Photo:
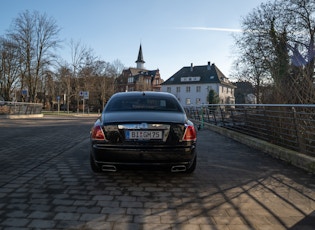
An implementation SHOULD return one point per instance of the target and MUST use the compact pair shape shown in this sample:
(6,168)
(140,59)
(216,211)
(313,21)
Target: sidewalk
(46,183)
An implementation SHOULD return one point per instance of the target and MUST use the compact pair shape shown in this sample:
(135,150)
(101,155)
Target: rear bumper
(154,156)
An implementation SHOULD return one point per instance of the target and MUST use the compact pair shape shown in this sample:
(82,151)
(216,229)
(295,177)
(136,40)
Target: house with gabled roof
(138,78)
(192,84)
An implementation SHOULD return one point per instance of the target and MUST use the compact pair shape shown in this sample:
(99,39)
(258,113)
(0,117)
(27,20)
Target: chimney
(208,67)
(191,67)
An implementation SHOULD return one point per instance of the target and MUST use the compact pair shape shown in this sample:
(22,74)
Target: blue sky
(173,33)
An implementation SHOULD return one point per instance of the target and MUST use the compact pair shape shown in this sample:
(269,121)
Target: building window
(177,89)
(187,89)
(168,89)
(156,81)
(187,101)
(130,79)
(148,81)
(198,100)
(198,89)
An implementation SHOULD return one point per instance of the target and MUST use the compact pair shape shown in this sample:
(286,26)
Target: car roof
(143,93)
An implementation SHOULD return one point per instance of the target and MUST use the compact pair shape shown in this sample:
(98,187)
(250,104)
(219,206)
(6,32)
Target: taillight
(97,133)
(190,133)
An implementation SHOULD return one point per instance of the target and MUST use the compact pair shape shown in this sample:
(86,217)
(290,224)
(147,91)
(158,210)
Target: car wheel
(94,166)
(192,168)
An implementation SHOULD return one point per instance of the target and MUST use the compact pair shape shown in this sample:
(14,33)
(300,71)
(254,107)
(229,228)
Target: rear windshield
(143,103)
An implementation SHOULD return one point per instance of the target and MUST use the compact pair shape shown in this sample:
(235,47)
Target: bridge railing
(19,108)
(290,126)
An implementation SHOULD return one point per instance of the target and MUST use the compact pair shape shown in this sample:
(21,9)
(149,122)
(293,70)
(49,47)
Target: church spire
(140,60)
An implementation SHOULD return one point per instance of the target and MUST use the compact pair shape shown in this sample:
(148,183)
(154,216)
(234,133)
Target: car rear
(159,137)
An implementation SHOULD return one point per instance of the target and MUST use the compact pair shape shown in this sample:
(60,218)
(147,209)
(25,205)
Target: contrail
(211,29)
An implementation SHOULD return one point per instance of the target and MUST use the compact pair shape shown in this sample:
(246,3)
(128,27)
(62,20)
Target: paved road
(46,183)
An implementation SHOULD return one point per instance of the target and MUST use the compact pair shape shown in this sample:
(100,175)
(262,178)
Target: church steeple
(140,62)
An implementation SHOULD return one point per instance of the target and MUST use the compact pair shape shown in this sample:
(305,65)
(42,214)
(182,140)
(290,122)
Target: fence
(19,108)
(289,126)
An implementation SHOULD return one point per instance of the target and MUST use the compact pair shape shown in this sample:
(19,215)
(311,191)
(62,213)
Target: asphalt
(46,183)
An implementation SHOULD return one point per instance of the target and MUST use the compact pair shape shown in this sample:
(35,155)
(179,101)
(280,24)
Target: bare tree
(82,59)
(9,69)
(114,71)
(86,72)
(102,84)
(77,57)
(117,68)
(98,78)
(36,36)
(63,85)
(275,36)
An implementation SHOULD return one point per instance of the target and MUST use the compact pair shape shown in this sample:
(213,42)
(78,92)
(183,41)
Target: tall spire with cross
(140,62)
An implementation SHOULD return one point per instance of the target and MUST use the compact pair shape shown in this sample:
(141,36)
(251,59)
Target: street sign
(84,94)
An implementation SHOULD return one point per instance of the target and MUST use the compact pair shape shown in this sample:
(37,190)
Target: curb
(21,116)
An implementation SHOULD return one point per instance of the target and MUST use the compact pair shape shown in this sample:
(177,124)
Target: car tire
(192,168)
(95,168)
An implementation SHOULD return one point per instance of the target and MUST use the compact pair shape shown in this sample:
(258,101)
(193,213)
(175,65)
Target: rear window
(143,103)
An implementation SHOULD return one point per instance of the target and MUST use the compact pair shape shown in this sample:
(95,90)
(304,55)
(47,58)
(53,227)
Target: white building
(191,85)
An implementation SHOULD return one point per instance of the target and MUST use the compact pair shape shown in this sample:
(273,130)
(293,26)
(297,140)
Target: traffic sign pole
(58,99)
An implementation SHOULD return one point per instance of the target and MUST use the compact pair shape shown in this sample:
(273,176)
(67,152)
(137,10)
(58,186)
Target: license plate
(143,135)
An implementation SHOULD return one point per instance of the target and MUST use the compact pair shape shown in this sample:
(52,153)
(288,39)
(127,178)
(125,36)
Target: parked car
(143,129)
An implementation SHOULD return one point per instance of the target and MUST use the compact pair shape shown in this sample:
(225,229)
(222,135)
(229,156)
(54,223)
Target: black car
(143,129)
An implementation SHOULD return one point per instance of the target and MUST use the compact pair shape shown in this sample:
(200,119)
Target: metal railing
(289,126)
(19,108)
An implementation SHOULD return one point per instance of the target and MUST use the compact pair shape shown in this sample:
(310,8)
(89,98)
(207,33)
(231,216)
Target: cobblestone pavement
(46,183)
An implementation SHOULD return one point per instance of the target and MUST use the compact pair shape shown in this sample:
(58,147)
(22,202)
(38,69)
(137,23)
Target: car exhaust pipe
(178,168)
(109,168)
